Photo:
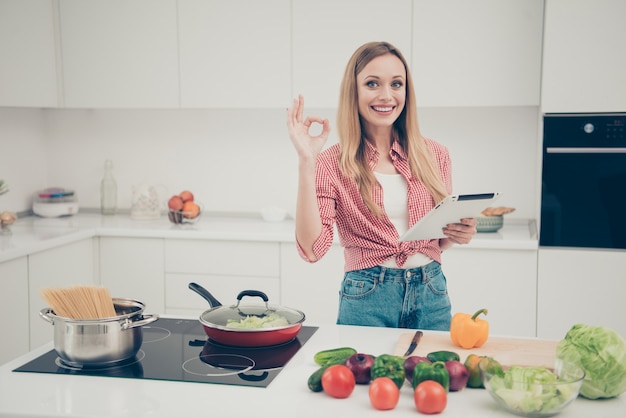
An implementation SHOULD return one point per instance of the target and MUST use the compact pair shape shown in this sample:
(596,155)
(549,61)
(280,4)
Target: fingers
(299,103)
(462,232)
(295,118)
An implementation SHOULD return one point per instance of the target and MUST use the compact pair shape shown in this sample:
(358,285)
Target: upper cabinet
(584,66)
(119,54)
(327,32)
(28,66)
(477,53)
(235,54)
(253,54)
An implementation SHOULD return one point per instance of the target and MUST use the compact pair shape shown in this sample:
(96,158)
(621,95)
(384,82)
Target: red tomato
(384,394)
(338,381)
(430,397)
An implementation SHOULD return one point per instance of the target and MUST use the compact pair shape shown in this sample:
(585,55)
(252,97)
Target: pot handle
(44,314)
(146,319)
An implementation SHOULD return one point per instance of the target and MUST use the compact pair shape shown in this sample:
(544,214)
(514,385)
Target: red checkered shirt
(367,240)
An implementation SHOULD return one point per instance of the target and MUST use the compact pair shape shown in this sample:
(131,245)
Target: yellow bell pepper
(469,331)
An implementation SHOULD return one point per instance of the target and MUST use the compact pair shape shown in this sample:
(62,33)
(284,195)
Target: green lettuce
(601,353)
(530,389)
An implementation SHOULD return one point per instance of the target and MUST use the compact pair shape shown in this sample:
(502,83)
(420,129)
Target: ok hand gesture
(307,145)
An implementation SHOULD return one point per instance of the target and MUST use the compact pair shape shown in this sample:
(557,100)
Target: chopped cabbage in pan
(252,322)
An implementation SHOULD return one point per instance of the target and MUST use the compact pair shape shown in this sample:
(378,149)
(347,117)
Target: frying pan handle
(205,294)
(256,293)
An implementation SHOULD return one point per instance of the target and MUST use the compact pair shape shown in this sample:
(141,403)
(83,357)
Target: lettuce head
(601,353)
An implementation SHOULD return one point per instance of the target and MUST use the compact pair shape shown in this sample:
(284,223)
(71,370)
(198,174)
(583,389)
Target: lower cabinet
(580,287)
(132,268)
(312,287)
(14,308)
(503,281)
(224,268)
(158,271)
(64,266)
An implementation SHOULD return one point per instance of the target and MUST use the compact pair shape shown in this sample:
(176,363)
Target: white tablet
(449,211)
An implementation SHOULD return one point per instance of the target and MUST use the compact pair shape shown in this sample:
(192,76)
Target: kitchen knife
(414,342)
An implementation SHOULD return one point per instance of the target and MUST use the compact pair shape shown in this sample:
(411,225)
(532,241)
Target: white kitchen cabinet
(503,281)
(64,266)
(28,66)
(477,53)
(224,268)
(132,268)
(14,308)
(312,287)
(119,54)
(577,286)
(584,64)
(251,70)
(325,33)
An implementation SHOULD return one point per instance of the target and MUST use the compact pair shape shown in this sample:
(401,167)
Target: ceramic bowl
(489,223)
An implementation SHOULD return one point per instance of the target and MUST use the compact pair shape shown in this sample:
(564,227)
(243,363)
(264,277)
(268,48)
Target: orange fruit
(190,209)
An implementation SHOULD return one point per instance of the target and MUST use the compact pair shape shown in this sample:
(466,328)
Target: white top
(395,202)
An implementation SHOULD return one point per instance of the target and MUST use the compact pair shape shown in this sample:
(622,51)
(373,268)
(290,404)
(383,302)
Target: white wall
(239,160)
(23,159)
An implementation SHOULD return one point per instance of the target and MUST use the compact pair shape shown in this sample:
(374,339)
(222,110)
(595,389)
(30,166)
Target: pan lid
(251,317)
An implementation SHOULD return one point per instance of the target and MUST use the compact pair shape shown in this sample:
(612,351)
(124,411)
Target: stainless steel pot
(100,342)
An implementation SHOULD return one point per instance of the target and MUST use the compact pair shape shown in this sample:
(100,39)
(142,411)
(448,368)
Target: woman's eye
(371,84)
(396,84)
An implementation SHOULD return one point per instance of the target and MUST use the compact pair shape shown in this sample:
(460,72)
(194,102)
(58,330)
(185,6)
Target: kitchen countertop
(32,234)
(51,395)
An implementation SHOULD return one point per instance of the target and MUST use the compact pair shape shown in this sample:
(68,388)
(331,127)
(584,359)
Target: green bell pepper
(442,355)
(388,365)
(431,371)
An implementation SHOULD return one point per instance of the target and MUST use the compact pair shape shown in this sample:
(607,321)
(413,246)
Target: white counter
(32,234)
(43,395)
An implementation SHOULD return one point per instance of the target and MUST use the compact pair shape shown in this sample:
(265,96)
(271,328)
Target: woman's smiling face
(381,87)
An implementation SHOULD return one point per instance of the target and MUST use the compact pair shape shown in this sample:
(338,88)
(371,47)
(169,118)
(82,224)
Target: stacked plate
(54,202)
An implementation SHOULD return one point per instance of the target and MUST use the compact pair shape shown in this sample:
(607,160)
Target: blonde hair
(352,157)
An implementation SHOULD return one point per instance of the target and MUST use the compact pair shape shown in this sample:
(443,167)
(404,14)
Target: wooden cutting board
(508,351)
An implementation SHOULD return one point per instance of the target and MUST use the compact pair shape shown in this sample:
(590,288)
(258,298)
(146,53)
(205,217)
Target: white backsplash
(240,160)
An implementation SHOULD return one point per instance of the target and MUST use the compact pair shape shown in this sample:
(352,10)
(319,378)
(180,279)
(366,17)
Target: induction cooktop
(179,350)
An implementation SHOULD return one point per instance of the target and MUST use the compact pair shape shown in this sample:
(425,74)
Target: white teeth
(383,109)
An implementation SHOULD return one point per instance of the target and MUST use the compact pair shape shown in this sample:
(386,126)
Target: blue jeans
(400,298)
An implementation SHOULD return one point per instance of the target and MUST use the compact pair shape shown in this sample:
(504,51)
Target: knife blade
(414,342)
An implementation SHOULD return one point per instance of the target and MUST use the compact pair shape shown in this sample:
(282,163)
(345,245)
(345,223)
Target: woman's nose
(385,93)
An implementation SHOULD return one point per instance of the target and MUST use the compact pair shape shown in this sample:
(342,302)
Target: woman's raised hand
(307,145)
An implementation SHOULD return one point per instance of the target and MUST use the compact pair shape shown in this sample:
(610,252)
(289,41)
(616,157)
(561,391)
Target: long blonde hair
(352,157)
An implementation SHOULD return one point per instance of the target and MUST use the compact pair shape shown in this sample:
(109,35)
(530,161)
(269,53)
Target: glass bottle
(108,190)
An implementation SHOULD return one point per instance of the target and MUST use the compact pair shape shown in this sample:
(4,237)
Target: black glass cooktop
(179,350)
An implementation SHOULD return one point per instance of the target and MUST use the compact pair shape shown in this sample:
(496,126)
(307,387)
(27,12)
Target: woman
(380,179)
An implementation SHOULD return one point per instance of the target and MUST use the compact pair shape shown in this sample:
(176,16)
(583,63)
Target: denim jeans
(401,298)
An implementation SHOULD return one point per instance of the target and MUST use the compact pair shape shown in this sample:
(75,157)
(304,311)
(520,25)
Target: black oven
(583,196)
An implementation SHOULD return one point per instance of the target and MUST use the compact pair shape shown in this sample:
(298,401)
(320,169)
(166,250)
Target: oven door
(583,202)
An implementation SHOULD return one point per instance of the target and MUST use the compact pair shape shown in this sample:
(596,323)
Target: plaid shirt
(367,240)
